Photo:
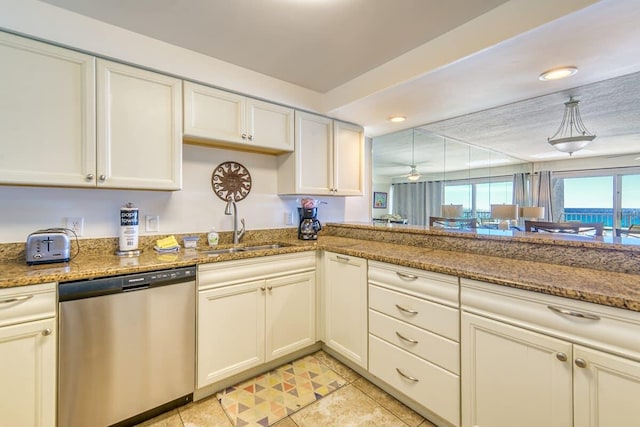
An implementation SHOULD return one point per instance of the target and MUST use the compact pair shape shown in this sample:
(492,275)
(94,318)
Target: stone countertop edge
(553,239)
(620,290)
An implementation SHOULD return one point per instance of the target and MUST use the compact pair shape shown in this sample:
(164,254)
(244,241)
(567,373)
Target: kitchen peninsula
(477,279)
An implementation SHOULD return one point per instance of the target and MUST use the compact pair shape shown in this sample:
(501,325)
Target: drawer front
(27,303)
(433,317)
(436,287)
(217,274)
(434,388)
(593,325)
(431,347)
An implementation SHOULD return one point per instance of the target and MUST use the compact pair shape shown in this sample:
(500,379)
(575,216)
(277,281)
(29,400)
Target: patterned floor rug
(268,398)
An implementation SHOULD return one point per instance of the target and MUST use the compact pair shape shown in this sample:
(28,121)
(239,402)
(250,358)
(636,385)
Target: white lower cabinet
(28,342)
(531,359)
(253,311)
(345,298)
(414,336)
(606,389)
(512,376)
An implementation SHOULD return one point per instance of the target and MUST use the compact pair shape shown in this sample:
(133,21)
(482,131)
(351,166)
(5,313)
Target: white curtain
(542,193)
(409,201)
(435,196)
(520,189)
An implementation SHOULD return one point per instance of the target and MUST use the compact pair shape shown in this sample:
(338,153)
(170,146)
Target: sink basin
(234,250)
(222,251)
(264,247)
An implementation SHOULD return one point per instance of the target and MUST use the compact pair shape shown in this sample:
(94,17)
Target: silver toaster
(45,246)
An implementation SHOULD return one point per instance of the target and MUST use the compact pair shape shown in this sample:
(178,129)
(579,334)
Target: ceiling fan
(414,175)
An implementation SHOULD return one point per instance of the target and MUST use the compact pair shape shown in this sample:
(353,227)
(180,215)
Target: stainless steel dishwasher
(126,347)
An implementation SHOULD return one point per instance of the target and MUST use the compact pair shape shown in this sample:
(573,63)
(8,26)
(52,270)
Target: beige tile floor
(358,403)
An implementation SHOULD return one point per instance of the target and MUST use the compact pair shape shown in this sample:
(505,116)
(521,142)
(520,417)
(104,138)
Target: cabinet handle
(46,332)
(561,357)
(342,258)
(244,136)
(16,299)
(580,363)
(406,276)
(409,377)
(89,177)
(573,313)
(406,310)
(270,288)
(103,177)
(250,137)
(262,288)
(402,337)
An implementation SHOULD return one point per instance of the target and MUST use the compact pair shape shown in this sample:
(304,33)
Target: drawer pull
(580,363)
(406,310)
(342,258)
(16,299)
(409,377)
(46,332)
(406,276)
(573,313)
(561,357)
(402,337)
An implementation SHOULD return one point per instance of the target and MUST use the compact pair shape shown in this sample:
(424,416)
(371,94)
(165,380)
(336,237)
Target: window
(477,195)
(609,197)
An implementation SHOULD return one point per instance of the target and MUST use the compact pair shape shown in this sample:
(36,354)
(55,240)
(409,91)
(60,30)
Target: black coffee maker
(309,224)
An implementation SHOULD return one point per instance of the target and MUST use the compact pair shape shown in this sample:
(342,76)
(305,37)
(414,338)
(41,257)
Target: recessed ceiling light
(558,73)
(397,119)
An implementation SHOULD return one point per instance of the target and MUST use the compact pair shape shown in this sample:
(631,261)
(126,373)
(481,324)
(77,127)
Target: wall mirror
(451,172)
(474,154)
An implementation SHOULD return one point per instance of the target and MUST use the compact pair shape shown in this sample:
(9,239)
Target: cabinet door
(139,128)
(512,376)
(270,126)
(28,372)
(313,142)
(346,306)
(348,159)
(290,314)
(606,389)
(212,114)
(47,125)
(230,331)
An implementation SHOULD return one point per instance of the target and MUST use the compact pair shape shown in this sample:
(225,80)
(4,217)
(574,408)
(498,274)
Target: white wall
(195,208)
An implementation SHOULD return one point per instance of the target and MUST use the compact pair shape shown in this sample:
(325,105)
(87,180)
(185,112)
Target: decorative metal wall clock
(231,180)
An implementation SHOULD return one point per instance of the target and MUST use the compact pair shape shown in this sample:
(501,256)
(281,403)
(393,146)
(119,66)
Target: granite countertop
(620,290)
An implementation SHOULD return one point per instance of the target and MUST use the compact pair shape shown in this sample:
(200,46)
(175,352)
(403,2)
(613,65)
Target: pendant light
(572,135)
(414,175)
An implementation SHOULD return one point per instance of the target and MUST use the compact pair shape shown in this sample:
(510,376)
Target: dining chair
(589,228)
(460,223)
(632,231)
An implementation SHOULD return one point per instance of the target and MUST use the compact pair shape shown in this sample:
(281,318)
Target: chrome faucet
(237,235)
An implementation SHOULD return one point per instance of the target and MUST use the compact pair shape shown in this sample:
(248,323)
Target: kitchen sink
(237,249)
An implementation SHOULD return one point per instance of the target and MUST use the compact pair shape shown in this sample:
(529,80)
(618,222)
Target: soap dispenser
(212,238)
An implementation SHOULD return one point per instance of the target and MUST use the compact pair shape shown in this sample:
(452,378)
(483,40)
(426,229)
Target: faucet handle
(242,230)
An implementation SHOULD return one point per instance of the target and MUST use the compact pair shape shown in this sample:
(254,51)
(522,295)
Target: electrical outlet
(75,223)
(152,223)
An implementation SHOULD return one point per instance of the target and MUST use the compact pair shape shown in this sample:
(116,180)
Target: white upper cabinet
(60,128)
(139,128)
(47,125)
(328,158)
(217,117)
(348,159)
